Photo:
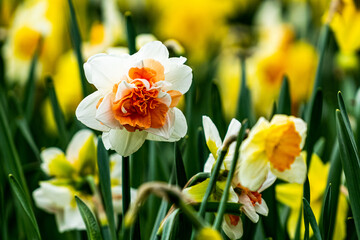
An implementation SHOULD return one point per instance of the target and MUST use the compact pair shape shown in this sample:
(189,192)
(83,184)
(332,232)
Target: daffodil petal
(262,208)
(77,143)
(301,128)
(270,179)
(180,79)
(289,194)
(115,166)
(105,115)
(54,163)
(253,171)
(232,231)
(209,163)
(233,129)
(248,208)
(105,70)
(178,130)
(212,136)
(86,112)
(296,173)
(196,193)
(125,142)
(152,50)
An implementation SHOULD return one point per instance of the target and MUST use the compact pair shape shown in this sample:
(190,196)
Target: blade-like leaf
(76,42)
(92,227)
(167,232)
(284,106)
(58,115)
(105,185)
(25,204)
(28,102)
(25,131)
(244,101)
(181,178)
(327,213)
(350,162)
(131,34)
(309,215)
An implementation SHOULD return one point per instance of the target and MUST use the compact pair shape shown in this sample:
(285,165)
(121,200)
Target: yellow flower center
(282,145)
(25,42)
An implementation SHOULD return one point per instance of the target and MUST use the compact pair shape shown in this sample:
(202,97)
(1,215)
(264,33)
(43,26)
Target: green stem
(225,195)
(125,183)
(131,35)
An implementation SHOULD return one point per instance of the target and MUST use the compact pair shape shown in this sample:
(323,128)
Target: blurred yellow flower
(208,233)
(346,26)
(197,24)
(291,194)
(273,59)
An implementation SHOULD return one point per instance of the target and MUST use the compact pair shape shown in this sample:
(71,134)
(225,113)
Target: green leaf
(350,162)
(28,102)
(26,206)
(105,185)
(25,131)
(327,213)
(225,195)
(284,98)
(58,115)
(131,34)
(92,227)
(244,101)
(217,113)
(76,42)
(161,214)
(334,179)
(167,232)
(306,195)
(181,178)
(125,182)
(309,215)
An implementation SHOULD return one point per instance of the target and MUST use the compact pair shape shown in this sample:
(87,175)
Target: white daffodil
(69,174)
(136,97)
(273,146)
(28,27)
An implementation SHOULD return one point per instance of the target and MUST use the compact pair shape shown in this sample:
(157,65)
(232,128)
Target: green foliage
(92,227)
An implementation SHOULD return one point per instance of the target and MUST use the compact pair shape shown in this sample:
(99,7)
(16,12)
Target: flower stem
(125,183)
(225,196)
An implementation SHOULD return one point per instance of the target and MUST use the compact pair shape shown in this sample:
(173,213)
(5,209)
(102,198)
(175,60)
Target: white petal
(253,171)
(209,163)
(166,130)
(296,173)
(233,129)
(105,115)
(262,208)
(153,50)
(233,232)
(248,208)
(125,142)
(180,79)
(212,136)
(270,179)
(47,156)
(86,112)
(106,140)
(123,89)
(301,128)
(77,142)
(179,128)
(105,70)
(70,219)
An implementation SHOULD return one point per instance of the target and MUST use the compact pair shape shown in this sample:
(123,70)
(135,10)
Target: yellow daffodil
(251,202)
(69,174)
(28,27)
(273,146)
(193,23)
(136,97)
(208,233)
(291,195)
(277,56)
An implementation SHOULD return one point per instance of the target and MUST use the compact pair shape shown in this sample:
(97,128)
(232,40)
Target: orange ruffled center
(234,219)
(140,107)
(283,145)
(255,197)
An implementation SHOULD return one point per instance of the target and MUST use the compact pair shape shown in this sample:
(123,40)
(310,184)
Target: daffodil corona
(136,97)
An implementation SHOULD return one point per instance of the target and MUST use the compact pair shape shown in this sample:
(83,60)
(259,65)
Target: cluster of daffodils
(69,177)
(136,97)
(272,150)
